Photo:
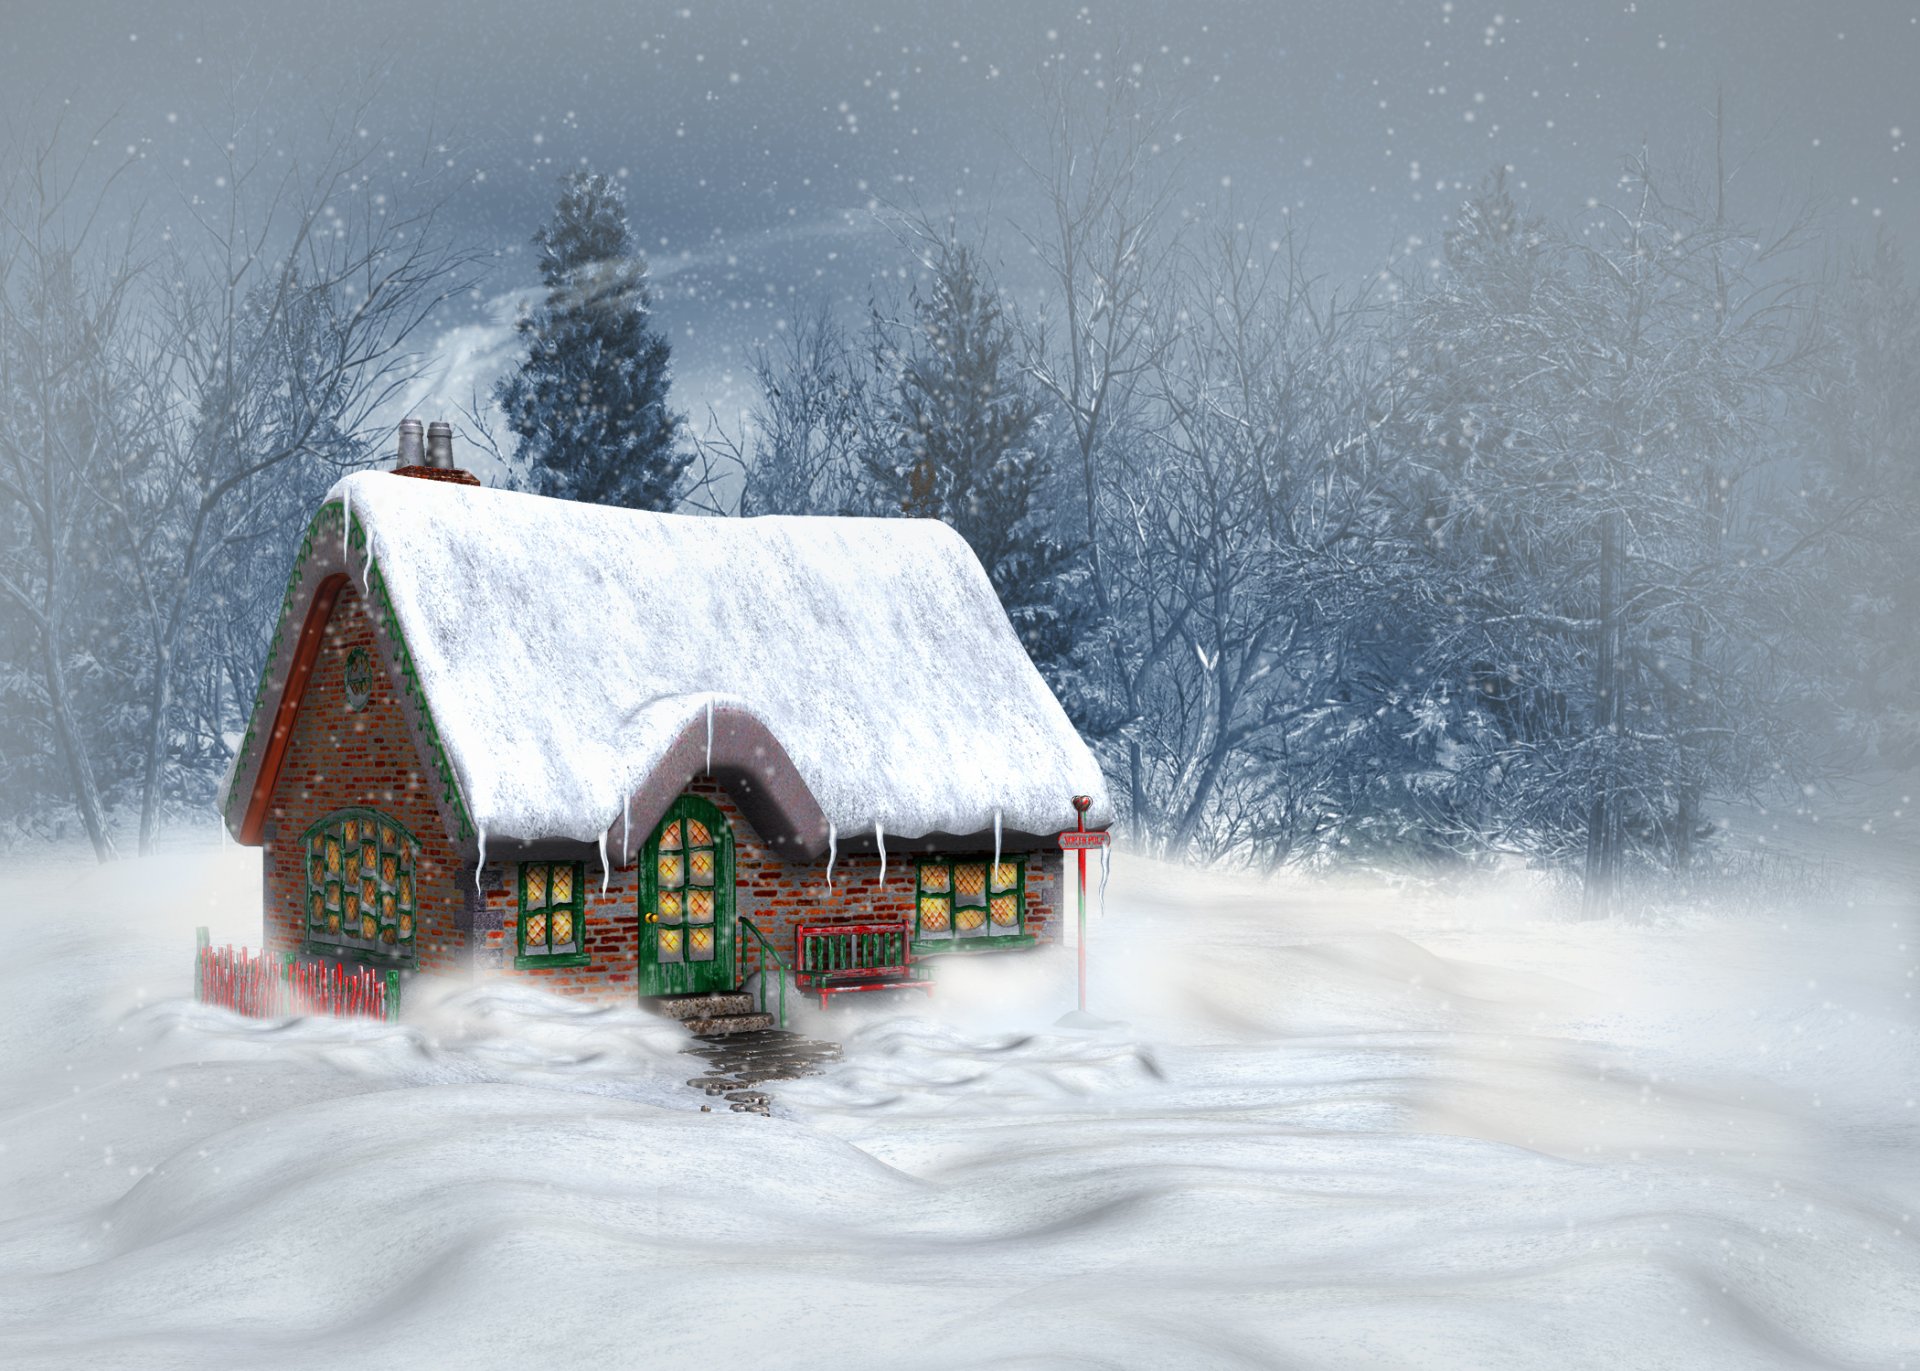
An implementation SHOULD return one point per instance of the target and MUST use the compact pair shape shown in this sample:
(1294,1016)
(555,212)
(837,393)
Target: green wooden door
(686,902)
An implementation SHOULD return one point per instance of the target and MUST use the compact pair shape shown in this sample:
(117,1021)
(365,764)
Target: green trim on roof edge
(331,516)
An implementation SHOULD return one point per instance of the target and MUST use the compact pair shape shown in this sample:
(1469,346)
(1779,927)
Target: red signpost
(1078,839)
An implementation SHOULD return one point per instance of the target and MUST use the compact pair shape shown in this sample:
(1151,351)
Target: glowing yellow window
(552,913)
(969,900)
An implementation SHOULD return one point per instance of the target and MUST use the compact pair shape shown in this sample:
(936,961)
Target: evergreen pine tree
(589,403)
(965,450)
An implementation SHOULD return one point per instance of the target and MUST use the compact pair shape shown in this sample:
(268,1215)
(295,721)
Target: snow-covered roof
(568,652)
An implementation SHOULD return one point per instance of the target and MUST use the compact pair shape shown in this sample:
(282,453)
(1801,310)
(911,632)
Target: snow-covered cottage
(622,754)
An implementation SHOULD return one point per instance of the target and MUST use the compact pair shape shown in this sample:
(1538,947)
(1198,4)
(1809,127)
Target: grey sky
(754,135)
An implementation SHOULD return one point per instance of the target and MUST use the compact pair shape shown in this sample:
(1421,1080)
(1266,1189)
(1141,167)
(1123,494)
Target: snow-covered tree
(589,401)
(964,445)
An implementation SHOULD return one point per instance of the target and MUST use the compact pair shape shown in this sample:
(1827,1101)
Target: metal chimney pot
(412,452)
(440,445)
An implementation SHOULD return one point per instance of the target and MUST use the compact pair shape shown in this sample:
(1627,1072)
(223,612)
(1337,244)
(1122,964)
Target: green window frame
(361,895)
(553,911)
(967,903)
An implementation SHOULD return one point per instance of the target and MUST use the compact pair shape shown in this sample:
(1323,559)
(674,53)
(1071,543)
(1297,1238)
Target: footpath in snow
(1335,1127)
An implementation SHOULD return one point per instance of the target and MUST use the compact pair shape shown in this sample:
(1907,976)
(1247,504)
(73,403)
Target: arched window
(360,890)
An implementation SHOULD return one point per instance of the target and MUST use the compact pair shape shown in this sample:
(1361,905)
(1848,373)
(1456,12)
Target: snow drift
(1338,1129)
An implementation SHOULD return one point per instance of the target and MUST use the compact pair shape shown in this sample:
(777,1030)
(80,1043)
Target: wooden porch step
(717,1004)
(726,1025)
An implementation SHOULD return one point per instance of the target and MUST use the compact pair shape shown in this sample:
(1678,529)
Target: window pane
(670,945)
(368,895)
(317,909)
(670,837)
(697,835)
(700,861)
(389,869)
(670,871)
(333,894)
(933,914)
(406,889)
(1006,876)
(386,908)
(933,877)
(700,906)
(669,912)
(406,925)
(369,856)
(970,882)
(350,833)
(700,943)
(562,888)
(368,926)
(353,907)
(536,879)
(386,835)
(1006,911)
(333,856)
(562,927)
(969,919)
(536,933)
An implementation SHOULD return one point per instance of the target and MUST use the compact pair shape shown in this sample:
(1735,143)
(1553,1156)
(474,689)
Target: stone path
(738,1062)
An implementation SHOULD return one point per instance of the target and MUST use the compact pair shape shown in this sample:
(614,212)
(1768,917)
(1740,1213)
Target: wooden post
(202,940)
(1080,806)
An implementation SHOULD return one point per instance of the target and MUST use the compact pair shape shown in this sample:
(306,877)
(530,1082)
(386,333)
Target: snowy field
(1340,1127)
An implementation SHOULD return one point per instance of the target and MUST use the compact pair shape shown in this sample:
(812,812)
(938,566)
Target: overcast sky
(754,136)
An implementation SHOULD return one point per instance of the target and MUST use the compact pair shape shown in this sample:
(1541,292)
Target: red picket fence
(261,986)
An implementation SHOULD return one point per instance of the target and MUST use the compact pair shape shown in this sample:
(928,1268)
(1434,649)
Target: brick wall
(775,894)
(339,758)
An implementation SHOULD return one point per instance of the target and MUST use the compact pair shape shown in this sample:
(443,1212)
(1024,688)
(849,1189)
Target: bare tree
(279,326)
(1107,174)
(66,298)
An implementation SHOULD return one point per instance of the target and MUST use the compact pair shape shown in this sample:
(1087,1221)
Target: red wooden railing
(263,986)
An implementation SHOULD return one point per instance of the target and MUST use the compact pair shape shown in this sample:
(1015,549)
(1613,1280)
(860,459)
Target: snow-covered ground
(1341,1127)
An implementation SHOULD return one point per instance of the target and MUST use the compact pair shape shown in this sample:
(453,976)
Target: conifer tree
(965,449)
(589,403)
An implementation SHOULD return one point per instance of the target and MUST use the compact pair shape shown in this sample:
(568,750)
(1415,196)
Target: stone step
(725,1024)
(713,1005)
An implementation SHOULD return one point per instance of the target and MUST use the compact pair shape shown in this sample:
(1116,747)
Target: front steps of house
(742,1049)
(717,1014)
(741,1062)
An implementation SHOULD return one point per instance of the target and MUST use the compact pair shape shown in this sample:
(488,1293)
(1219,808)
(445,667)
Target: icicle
(996,847)
(709,735)
(1106,869)
(833,850)
(482,862)
(880,837)
(606,872)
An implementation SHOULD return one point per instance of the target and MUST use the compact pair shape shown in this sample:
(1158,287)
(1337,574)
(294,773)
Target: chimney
(440,445)
(433,460)
(412,453)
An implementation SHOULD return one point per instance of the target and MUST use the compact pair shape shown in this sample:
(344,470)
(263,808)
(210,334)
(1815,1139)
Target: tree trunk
(1603,819)
(86,792)
(159,706)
